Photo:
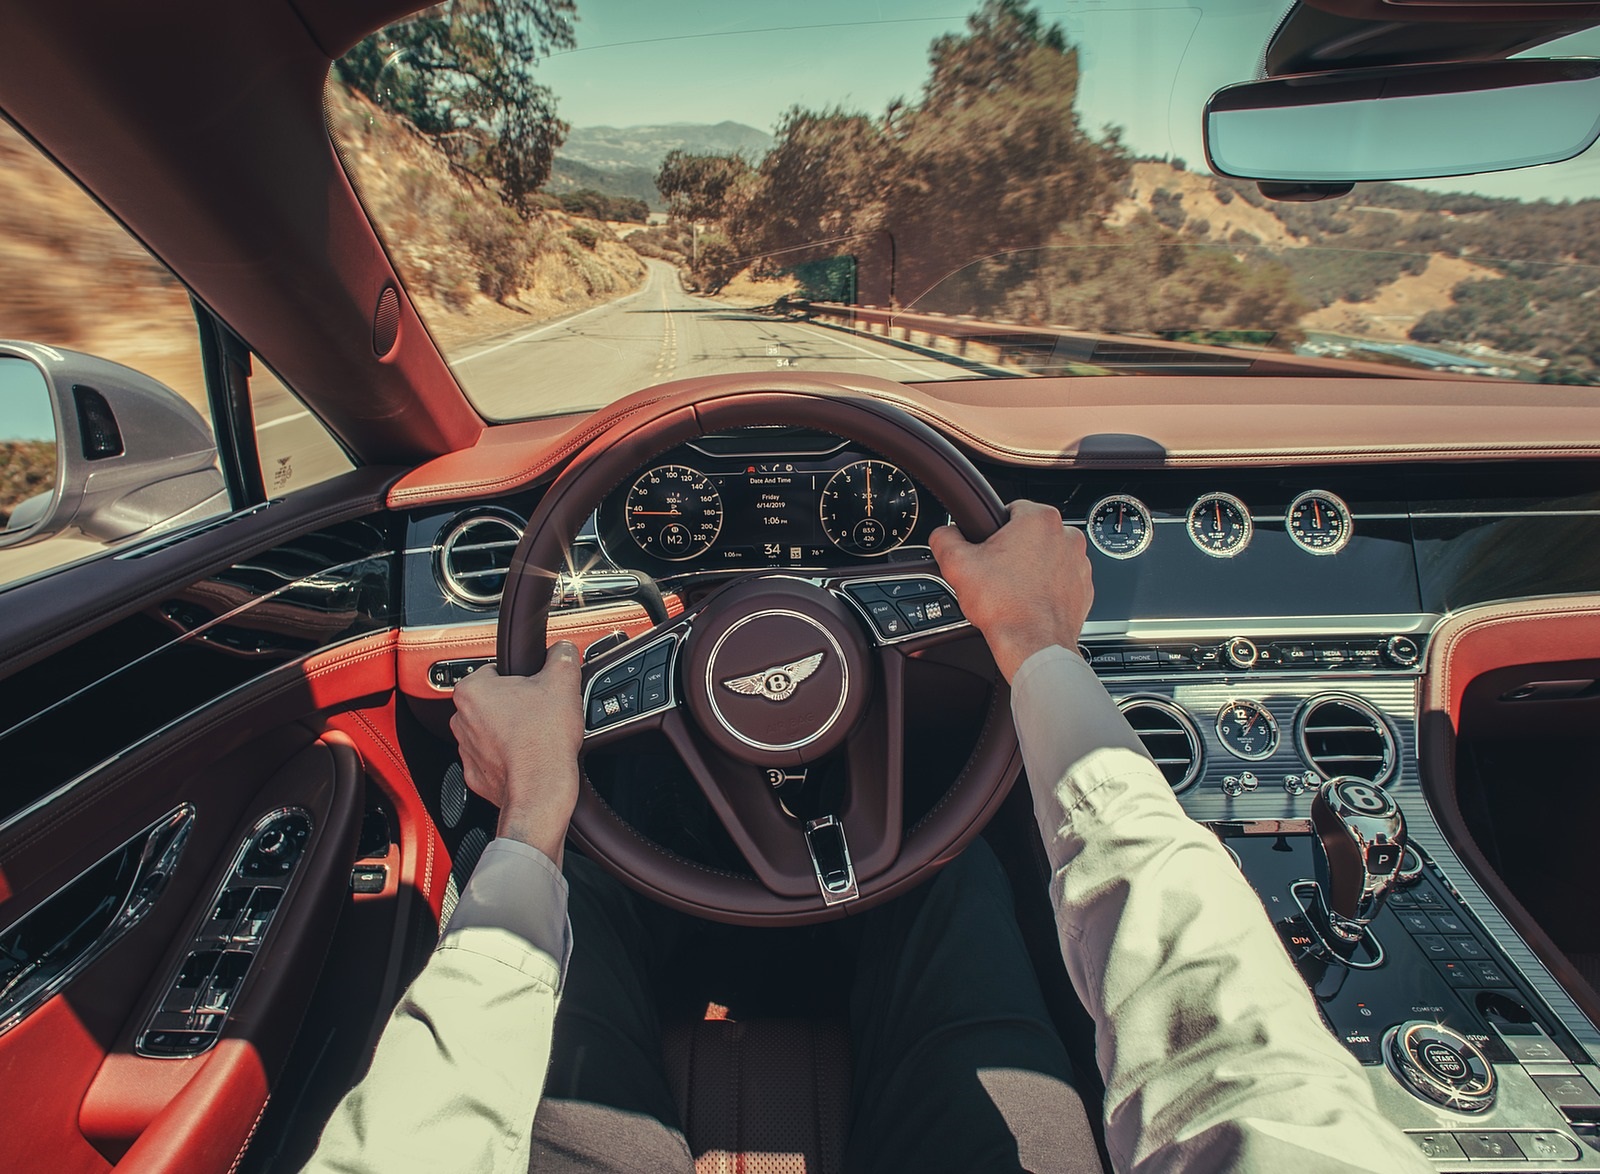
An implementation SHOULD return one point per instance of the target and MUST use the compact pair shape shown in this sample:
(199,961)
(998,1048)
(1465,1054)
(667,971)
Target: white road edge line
(560,322)
(282,420)
(876,358)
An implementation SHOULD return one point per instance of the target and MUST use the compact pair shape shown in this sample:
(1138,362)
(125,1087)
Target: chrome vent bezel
(1181,725)
(462,583)
(1330,766)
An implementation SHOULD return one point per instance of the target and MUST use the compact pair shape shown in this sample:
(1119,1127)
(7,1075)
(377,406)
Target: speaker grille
(386,322)
(1168,735)
(1343,735)
(475,555)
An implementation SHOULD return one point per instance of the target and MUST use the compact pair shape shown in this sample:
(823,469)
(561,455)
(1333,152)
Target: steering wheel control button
(1442,1066)
(898,608)
(631,687)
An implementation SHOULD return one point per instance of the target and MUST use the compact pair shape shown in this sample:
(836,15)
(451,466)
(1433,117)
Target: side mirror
(93,445)
(1404,121)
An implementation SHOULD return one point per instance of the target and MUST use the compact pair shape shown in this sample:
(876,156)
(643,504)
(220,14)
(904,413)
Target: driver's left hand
(519,739)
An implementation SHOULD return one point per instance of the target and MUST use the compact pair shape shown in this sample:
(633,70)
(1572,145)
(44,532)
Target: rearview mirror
(1405,121)
(94,445)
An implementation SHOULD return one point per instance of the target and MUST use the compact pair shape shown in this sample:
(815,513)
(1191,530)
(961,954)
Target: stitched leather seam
(249,1137)
(1513,615)
(542,465)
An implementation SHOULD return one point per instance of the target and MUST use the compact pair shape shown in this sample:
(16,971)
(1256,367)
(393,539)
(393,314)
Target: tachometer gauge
(1220,525)
(1319,522)
(1248,730)
(673,512)
(1119,526)
(868,508)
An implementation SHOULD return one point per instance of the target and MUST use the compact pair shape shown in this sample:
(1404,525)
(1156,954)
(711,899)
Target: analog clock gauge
(1319,522)
(673,512)
(1119,526)
(868,508)
(1220,525)
(1248,730)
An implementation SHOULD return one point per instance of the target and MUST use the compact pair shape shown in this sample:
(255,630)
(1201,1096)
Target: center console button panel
(1242,654)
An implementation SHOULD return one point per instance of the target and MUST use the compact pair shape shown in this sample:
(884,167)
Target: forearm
(456,1078)
(1209,1043)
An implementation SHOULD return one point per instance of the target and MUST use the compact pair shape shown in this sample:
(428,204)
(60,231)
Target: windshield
(587,197)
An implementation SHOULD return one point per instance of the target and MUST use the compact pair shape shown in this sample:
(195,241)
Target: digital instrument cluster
(693,510)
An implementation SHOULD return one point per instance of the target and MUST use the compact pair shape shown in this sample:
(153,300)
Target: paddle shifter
(1360,842)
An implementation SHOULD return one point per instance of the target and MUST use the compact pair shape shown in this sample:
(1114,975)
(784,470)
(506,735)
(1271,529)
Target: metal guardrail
(1048,350)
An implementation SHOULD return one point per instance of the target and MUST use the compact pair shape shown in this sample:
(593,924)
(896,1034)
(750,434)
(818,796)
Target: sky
(1148,66)
(25,412)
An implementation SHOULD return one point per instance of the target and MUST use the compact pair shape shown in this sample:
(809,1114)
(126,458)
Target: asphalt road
(659,333)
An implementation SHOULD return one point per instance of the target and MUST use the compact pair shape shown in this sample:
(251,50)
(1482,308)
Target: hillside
(612,147)
(622,161)
(71,276)
(472,266)
(1473,275)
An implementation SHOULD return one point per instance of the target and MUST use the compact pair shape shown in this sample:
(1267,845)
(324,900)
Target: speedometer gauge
(868,508)
(673,512)
(1220,525)
(1319,522)
(1119,526)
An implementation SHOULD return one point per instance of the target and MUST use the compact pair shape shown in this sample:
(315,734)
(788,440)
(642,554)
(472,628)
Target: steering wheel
(772,673)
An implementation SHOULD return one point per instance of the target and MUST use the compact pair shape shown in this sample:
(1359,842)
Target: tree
(462,72)
(698,187)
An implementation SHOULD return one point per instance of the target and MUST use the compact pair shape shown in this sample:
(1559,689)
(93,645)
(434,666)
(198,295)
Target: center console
(1298,749)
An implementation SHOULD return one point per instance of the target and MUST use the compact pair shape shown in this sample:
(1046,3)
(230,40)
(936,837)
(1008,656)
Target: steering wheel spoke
(771,842)
(874,805)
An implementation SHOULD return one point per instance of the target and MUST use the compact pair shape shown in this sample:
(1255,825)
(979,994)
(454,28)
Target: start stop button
(1440,1065)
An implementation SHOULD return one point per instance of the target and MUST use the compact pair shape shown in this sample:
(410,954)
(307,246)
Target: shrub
(584,235)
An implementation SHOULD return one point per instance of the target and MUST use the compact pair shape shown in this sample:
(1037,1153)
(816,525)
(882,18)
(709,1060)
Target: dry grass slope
(473,267)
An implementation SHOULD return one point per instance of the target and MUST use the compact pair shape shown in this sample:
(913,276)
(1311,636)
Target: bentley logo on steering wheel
(778,682)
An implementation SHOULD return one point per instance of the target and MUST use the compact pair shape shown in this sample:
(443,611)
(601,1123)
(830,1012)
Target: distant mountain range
(622,161)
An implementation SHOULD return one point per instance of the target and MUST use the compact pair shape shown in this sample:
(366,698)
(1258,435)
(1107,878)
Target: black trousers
(957,1065)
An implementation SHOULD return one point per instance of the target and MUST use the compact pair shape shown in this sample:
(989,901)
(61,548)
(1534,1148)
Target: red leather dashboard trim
(1465,647)
(1115,421)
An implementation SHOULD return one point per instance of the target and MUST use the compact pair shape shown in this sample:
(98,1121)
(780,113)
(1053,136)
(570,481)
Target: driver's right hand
(1027,587)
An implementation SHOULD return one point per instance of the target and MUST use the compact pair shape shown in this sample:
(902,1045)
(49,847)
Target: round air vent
(1168,735)
(475,555)
(1343,735)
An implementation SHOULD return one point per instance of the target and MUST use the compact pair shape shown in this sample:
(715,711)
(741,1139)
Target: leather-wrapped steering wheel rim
(657,426)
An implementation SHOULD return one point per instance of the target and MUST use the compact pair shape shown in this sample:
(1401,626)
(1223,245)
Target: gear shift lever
(1360,842)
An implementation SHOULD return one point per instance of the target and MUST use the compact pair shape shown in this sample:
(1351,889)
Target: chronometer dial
(1319,522)
(1248,730)
(1220,525)
(1120,527)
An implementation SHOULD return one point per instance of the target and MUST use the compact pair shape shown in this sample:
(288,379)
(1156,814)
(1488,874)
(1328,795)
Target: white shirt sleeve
(457,1075)
(1211,1048)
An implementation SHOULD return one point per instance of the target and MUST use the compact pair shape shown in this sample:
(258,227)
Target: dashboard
(1261,626)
